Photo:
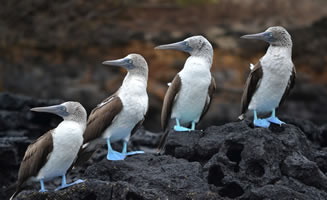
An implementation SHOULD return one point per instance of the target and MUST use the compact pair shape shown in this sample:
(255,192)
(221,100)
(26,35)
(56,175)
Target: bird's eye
(270,34)
(130,61)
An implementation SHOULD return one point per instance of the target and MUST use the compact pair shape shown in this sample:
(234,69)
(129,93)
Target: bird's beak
(181,46)
(265,36)
(60,110)
(123,62)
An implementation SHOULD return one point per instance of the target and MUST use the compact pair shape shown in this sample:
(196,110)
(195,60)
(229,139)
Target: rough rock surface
(18,128)
(232,161)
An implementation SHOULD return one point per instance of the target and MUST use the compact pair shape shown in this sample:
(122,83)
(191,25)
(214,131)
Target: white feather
(135,104)
(277,68)
(195,78)
(251,66)
(67,140)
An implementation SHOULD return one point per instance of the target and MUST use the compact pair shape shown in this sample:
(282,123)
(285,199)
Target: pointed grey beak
(181,46)
(265,36)
(123,62)
(60,110)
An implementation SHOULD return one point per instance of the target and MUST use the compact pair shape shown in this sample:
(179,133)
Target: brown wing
(169,101)
(251,86)
(35,157)
(211,91)
(101,117)
(289,87)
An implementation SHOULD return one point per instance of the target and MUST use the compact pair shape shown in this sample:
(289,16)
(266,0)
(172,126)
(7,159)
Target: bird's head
(134,63)
(70,110)
(275,36)
(195,45)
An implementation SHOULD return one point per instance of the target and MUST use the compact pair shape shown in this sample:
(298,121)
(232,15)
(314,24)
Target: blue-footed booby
(271,79)
(53,153)
(189,95)
(120,115)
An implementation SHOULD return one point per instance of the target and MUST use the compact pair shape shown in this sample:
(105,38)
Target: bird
(53,153)
(271,79)
(119,116)
(190,94)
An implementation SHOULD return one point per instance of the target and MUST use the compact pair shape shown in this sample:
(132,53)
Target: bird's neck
(134,81)
(205,53)
(279,51)
(80,119)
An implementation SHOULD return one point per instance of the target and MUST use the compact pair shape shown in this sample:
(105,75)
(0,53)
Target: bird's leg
(179,128)
(260,122)
(42,186)
(112,154)
(193,126)
(64,184)
(124,152)
(274,119)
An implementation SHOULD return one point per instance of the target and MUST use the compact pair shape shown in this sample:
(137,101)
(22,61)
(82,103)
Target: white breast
(67,140)
(135,104)
(195,79)
(277,68)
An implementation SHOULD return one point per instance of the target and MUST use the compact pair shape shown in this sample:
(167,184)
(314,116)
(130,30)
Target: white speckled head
(76,112)
(133,63)
(199,45)
(275,36)
(280,36)
(70,110)
(195,46)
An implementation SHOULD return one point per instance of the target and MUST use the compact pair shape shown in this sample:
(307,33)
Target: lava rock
(18,128)
(232,161)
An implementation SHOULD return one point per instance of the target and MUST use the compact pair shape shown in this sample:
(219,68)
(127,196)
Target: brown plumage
(99,120)
(211,91)
(251,85)
(169,101)
(170,97)
(35,157)
(289,87)
(253,82)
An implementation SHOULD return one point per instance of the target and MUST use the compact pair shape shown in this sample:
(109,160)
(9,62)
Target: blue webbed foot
(68,185)
(43,190)
(181,128)
(133,153)
(275,120)
(114,155)
(261,123)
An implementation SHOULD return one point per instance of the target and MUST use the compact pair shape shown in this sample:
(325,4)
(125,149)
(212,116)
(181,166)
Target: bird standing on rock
(120,115)
(53,153)
(271,79)
(189,95)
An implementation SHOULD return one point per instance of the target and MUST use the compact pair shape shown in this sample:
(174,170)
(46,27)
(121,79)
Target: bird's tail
(84,154)
(18,190)
(241,117)
(162,143)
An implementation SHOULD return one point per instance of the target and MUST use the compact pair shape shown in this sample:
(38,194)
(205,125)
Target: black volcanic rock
(18,128)
(232,161)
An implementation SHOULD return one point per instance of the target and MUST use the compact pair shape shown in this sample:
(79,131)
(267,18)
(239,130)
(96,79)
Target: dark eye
(270,34)
(130,61)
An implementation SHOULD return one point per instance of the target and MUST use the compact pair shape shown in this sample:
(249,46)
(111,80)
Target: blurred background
(54,49)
